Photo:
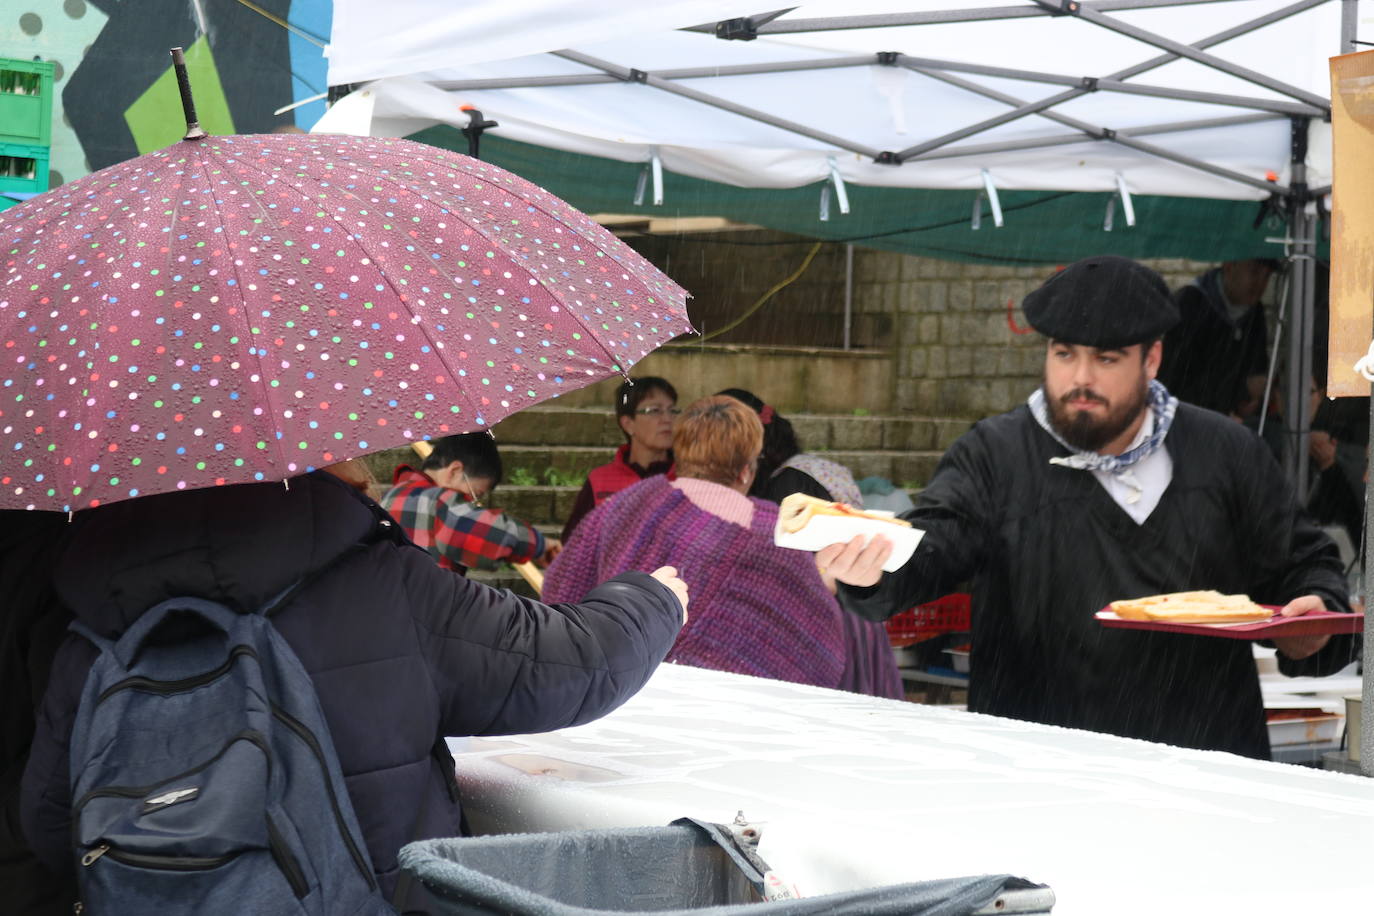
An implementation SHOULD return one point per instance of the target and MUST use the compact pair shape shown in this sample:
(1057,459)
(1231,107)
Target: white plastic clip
(1365,366)
(989,193)
(841,195)
(653,169)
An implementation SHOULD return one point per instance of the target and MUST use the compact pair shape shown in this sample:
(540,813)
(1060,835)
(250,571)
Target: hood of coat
(239,545)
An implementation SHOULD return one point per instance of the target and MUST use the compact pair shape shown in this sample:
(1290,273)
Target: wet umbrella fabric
(246,308)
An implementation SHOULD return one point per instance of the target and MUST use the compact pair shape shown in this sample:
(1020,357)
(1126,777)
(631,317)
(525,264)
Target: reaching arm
(503,664)
(957,513)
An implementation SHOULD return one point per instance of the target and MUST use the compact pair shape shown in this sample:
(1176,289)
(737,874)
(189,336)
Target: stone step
(580,426)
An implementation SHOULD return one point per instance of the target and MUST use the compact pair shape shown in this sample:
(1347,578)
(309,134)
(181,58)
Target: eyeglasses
(658,411)
(473,496)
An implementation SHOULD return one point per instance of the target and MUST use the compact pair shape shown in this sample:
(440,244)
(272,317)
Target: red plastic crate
(949,614)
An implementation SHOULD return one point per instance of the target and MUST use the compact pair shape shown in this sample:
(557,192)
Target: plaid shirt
(455,532)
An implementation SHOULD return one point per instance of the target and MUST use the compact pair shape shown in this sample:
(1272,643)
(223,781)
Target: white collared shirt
(1139,488)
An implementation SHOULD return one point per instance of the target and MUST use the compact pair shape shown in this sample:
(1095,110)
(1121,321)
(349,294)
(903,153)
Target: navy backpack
(203,776)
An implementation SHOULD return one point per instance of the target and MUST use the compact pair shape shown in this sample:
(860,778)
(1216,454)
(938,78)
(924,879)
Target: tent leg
(848,292)
(1302,229)
(1367,685)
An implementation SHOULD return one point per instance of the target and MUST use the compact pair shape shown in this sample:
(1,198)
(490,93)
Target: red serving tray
(1313,623)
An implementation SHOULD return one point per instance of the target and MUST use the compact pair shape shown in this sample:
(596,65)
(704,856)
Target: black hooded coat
(401,653)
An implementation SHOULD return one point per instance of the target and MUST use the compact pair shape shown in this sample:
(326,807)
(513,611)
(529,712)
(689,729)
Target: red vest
(610,479)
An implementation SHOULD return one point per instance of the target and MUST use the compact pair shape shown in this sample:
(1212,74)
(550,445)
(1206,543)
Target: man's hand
(1296,647)
(854,564)
(1322,448)
(668,576)
(552,548)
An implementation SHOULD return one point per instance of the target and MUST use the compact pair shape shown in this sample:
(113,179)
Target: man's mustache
(1083,394)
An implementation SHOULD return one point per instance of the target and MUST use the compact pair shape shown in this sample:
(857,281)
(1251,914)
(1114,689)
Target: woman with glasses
(645,409)
(757,608)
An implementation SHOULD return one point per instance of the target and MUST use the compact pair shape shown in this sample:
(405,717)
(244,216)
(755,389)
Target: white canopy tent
(1211,99)
(1217,99)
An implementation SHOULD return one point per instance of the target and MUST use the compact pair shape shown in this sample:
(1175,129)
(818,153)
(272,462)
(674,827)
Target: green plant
(552,477)
(556,478)
(860,411)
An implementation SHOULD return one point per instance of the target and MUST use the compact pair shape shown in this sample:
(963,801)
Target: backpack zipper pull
(94,854)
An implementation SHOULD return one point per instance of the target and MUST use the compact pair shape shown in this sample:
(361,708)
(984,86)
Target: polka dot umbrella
(243,308)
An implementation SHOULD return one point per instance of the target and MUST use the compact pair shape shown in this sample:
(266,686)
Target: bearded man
(1101,487)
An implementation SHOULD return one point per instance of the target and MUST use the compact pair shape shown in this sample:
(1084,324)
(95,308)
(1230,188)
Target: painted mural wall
(114,93)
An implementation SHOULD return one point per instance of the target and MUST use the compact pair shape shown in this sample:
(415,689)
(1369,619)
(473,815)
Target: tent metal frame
(1293,103)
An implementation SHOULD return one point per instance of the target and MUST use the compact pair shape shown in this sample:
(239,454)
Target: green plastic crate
(23,167)
(26,101)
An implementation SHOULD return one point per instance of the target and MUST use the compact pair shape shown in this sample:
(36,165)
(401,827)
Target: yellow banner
(1352,220)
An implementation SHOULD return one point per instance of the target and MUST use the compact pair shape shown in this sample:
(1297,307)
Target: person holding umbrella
(265,306)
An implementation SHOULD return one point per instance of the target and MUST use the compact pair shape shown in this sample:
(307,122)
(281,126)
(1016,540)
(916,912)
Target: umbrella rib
(434,344)
(553,291)
(248,324)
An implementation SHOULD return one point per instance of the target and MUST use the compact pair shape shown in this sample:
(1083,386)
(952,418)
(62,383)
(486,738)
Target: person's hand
(668,576)
(1322,448)
(852,563)
(1296,647)
(552,548)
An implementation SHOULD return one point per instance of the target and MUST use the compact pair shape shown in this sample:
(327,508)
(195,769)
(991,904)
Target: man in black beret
(1103,487)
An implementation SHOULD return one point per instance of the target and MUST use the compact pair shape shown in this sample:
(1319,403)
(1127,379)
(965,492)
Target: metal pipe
(1087,14)
(1110,85)
(1099,133)
(1225,35)
(848,292)
(886,20)
(716,102)
(1367,686)
(1350,20)
(981,149)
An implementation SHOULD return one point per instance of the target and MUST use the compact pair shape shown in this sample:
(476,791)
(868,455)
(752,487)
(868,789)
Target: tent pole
(1087,14)
(1302,275)
(934,17)
(980,149)
(848,291)
(1091,132)
(1137,69)
(1349,22)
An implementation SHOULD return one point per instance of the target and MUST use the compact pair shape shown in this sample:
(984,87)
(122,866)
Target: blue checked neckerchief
(1161,403)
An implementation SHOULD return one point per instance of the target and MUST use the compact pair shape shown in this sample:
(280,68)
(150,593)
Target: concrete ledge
(794,379)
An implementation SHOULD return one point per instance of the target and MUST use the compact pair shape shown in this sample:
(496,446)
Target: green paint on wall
(156,119)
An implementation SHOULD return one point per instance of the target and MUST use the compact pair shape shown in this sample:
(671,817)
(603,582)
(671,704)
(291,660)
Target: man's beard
(1085,432)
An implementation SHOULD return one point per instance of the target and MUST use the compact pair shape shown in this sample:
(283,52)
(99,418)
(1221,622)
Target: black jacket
(1047,547)
(402,653)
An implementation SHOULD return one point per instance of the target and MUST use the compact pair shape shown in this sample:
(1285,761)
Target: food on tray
(799,508)
(1192,607)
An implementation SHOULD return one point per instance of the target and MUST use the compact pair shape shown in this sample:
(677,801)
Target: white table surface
(852,791)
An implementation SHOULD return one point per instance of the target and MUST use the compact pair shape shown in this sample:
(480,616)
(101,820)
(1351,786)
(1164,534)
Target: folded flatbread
(1192,607)
(797,510)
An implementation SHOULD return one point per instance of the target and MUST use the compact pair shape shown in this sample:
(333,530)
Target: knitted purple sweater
(755,608)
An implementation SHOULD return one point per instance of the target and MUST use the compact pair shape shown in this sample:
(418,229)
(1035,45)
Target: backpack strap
(100,642)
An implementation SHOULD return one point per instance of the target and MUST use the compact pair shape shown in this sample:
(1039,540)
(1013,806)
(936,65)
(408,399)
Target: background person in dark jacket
(402,653)
(1215,356)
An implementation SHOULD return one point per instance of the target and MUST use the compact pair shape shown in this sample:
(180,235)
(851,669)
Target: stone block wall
(944,325)
(959,351)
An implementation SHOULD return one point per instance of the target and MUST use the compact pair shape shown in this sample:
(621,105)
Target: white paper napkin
(824,530)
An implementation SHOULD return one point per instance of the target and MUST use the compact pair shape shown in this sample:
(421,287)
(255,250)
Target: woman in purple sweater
(756,608)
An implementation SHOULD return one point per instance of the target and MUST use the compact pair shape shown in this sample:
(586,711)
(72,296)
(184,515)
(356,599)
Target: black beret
(1104,301)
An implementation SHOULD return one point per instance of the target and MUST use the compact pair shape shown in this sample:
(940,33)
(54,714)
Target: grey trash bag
(684,868)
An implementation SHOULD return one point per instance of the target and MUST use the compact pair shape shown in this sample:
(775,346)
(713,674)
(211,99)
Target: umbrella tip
(188,104)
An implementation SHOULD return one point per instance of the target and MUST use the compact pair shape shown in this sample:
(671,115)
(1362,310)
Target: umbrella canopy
(243,308)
